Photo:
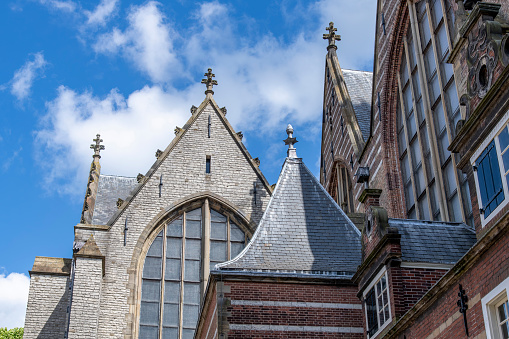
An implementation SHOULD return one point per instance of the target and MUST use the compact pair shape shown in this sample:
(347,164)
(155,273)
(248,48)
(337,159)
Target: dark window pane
(187,333)
(156,249)
(194,214)
(173,247)
(490,181)
(172,271)
(371,312)
(193,249)
(193,229)
(149,313)
(503,138)
(216,216)
(236,248)
(149,332)
(207,165)
(190,315)
(192,293)
(192,270)
(218,251)
(151,290)
(171,292)
(171,315)
(152,268)
(218,230)
(175,228)
(170,332)
(236,234)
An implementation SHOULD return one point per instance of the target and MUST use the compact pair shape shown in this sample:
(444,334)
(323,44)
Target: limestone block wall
(182,165)
(46,315)
(86,298)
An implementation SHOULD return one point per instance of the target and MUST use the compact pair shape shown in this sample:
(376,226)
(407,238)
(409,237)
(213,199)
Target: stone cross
(97,147)
(209,82)
(290,141)
(332,36)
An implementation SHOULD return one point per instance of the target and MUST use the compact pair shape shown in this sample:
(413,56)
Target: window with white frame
(491,167)
(377,305)
(495,308)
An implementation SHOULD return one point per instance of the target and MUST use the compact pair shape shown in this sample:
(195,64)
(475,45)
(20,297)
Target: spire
(332,36)
(209,82)
(93,182)
(290,141)
(97,147)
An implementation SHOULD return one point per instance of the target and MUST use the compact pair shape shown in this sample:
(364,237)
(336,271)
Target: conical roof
(303,230)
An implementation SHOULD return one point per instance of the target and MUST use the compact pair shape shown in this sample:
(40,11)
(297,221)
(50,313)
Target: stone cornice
(51,266)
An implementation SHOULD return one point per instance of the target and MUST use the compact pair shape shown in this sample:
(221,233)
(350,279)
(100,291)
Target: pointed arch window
(428,111)
(341,188)
(176,266)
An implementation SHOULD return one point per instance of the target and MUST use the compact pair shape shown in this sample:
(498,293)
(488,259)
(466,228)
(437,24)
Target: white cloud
(63,5)
(8,162)
(265,83)
(13,298)
(101,13)
(147,42)
(25,76)
(132,129)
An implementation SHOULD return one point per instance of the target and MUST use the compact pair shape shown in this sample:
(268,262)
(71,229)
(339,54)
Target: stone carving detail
(158,153)
(256,161)
(193,109)
(223,109)
(482,56)
(119,202)
(240,135)
(139,177)
(178,130)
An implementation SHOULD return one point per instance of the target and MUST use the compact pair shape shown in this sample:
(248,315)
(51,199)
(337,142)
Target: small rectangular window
(377,306)
(490,181)
(207,164)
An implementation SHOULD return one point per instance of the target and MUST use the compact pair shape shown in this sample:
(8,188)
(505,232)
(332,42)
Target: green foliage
(15,333)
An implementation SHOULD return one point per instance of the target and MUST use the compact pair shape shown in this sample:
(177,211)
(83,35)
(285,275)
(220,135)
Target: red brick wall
(292,315)
(491,269)
(210,324)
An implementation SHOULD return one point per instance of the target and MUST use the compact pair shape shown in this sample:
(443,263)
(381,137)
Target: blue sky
(131,70)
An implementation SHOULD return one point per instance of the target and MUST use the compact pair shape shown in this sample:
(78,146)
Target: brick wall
(291,310)
(46,316)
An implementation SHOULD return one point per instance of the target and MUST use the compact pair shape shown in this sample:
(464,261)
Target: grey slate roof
(359,85)
(110,188)
(302,230)
(432,241)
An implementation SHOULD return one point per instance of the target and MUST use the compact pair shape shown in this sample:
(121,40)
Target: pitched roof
(303,230)
(433,241)
(110,188)
(359,85)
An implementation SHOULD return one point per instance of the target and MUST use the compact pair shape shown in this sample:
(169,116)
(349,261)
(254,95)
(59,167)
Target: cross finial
(290,141)
(332,36)
(209,82)
(97,147)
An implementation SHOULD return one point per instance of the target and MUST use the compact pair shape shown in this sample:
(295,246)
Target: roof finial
(290,141)
(97,147)
(209,82)
(332,36)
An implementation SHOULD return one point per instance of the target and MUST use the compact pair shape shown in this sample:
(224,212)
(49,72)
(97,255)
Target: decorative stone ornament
(290,141)
(332,36)
(119,202)
(158,153)
(209,82)
(240,135)
(97,147)
(363,176)
(193,109)
(139,177)
(177,130)
(223,109)
(257,161)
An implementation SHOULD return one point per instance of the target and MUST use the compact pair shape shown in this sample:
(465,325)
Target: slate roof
(359,85)
(432,241)
(110,188)
(302,231)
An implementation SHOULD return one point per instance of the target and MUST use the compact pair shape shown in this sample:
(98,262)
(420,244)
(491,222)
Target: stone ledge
(51,266)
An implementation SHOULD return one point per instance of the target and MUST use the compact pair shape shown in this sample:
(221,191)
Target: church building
(405,234)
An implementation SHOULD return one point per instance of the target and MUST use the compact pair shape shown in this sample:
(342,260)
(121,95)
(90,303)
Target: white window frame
(381,327)
(489,308)
(492,136)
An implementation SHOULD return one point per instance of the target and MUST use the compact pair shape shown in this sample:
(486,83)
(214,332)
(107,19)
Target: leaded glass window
(427,116)
(171,289)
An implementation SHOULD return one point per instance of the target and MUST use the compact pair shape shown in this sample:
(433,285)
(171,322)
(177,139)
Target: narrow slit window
(207,164)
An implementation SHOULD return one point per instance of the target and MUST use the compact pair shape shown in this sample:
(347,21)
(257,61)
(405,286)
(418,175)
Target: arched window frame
(207,205)
(428,110)
(341,187)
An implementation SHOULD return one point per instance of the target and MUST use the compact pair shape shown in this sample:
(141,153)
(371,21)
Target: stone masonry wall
(86,297)
(232,177)
(46,315)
